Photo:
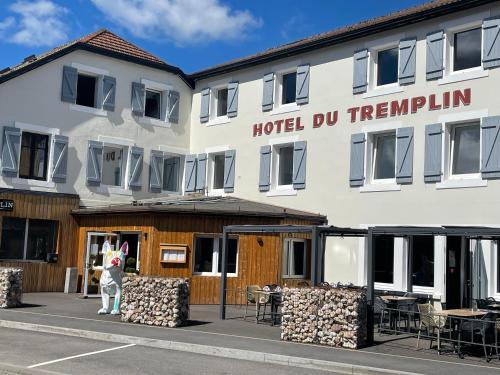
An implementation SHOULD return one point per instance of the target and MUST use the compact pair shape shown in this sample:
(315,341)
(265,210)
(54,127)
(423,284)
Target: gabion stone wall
(11,287)
(333,316)
(155,301)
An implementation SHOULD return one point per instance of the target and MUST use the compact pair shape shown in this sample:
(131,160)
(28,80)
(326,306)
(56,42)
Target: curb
(11,369)
(247,355)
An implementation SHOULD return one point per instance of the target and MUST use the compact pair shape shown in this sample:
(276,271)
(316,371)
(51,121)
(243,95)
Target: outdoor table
(494,306)
(274,298)
(398,301)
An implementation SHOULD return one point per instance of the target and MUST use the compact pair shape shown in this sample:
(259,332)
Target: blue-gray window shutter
(357,167)
(229,170)
(299,164)
(135,169)
(94,162)
(433,154)
(201,172)
(173,98)
(69,81)
(407,61)
(155,171)
(268,92)
(108,93)
(404,157)
(138,98)
(490,128)
(435,52)
(60,158)
(265,168)
(232,99)
(491,43)
(190,174)
(10,151)
(302,86)
(360,72)
(205,105)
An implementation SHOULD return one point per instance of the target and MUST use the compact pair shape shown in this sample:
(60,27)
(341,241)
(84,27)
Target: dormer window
(467,49)
(86,90)
(387,66)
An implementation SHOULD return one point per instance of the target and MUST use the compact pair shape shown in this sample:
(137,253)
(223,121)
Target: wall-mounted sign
(170,253)
(6,205)
(394,108)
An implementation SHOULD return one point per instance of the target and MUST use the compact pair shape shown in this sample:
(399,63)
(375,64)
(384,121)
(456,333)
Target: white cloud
(182,21)
(35,23)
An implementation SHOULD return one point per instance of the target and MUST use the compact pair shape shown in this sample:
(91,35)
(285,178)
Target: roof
(102,42)
(197,204)
(419,13)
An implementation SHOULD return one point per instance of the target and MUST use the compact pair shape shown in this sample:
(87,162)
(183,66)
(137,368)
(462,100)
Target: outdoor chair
(430,323)
(250,297)
(380,312)
(262,300)
(482,303)
(484,328)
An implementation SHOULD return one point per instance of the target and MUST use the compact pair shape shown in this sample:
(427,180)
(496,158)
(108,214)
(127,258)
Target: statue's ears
(124,248)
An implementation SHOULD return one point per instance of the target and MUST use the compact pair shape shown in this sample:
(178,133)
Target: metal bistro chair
(380,311)
(262,299)
(430,323)
(250,297)
(484,327)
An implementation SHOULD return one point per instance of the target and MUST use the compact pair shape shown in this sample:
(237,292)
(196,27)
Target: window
(288,88)
(113,165)
(86,90)
(171,173)
(384,156)
(285,165)
(153,104)
(294,258)
(467,49)
(208,255)
(218,171)
(387,66)
(222,102)
(384,259)
(422,261)
(41,238)
(498,265)
(34,156)
(465,149)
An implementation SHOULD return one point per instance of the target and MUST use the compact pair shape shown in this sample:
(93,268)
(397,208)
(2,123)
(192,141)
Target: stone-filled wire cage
(333,316)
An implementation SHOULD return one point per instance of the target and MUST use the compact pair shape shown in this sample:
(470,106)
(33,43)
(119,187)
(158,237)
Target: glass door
(93,260)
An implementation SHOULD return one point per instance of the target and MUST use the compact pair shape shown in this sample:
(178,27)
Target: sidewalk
(233,338)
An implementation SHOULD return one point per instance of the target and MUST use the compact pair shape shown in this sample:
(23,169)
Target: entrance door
(458,264)
(133,240)
(93,260)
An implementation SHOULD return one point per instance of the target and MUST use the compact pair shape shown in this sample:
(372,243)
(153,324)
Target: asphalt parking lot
(74,355)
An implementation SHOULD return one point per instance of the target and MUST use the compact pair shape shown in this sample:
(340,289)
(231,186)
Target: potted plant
(130,266)
(93,287)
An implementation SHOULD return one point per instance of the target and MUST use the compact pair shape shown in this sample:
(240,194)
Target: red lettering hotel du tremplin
(413,105)
(287,125)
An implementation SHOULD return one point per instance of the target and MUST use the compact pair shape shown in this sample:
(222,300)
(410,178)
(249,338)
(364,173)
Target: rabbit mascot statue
(111,278)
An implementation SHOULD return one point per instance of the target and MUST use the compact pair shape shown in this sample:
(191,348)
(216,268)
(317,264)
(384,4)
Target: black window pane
(289,88)
(219,171)
(171,174)
(85,90)
(387,66)
(203,257)
(13,230)
(34,156)
(384,259)
(298,258)
(422,261)
(232,255)
(285,168)
(467,49)
(222,102)
(153,104)
(385,156)
(41,239)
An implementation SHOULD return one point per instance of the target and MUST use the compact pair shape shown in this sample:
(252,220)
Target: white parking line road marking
(80,355)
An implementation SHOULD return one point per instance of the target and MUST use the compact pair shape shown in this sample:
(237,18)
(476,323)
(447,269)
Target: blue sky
(192,34)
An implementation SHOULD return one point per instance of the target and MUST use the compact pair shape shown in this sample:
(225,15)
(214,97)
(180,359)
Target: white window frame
(215,255)
(99,75)
(449,148)
(373,56)
(275,166)
(288,243)
(214,102)
(180,177)
(162,100)
(211,173)
(279,108)
(450,47)
(418,288)
(162,88)
(372,137)
(123,189)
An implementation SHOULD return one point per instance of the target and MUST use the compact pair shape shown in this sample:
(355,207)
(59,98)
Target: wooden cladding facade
(257,263)
(40,276)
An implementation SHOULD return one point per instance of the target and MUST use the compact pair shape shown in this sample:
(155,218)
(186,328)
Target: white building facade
(389,122)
